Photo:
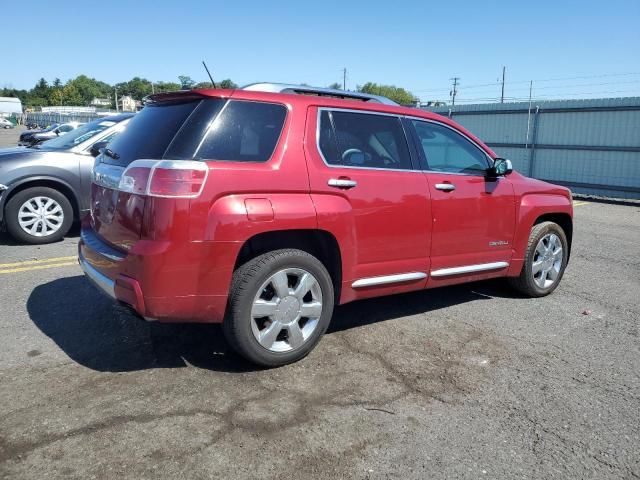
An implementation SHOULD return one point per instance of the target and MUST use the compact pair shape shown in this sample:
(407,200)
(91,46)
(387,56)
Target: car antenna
(208,73)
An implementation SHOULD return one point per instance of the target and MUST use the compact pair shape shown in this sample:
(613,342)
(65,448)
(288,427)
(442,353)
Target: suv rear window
(244,132)
(201,129)
(150,132)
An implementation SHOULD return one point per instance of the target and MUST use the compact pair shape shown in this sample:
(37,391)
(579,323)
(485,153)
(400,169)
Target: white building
(126,104)
(10,105)
(101,102)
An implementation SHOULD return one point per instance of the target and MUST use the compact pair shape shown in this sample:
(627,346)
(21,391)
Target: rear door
(473,216)
(369,194)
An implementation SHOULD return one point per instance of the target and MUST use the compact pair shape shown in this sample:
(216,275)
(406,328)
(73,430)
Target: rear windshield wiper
(110,153)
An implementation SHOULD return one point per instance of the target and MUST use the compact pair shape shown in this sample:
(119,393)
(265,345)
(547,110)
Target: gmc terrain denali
(264,207)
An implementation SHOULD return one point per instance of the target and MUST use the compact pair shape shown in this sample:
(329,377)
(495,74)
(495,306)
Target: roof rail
(323,92)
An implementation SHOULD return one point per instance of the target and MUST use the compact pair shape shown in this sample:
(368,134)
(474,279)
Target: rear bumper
(102,282)
(159,280)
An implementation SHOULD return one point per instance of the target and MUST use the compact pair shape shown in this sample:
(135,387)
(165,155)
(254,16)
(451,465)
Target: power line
(454,91)
(534,81)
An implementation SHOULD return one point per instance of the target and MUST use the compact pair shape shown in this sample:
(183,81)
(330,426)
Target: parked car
(36,137)
(26,138)
(263,208)
(44,187)
(4,123)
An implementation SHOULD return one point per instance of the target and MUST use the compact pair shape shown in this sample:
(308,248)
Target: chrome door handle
(342,183)
(445,187)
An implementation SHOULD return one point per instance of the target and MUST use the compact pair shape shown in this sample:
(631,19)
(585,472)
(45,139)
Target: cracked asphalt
(463,382)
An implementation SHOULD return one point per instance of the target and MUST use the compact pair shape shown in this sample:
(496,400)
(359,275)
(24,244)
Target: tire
(60,216)
(530,283)
(259,287)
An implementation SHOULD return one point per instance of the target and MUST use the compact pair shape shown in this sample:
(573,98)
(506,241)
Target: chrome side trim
(386,279)
(102,282)
(444,272)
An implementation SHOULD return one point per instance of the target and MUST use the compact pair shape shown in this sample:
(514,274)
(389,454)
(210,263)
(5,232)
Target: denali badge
(498,243)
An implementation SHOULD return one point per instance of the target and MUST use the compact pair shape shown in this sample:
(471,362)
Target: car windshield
(77,136)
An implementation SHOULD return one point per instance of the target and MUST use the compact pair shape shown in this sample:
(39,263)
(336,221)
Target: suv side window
(363,140)
(449,152)
(243,131)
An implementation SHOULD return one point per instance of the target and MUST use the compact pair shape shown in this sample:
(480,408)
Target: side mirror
(96,147)
(501,167)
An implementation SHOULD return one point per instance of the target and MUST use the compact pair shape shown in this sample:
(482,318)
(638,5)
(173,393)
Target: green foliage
(335,86)
(397,94)
(82,90)
(186,82)
(228,84)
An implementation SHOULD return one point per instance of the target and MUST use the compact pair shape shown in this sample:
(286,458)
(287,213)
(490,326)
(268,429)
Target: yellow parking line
(37,262)
(37,267)
(577,204)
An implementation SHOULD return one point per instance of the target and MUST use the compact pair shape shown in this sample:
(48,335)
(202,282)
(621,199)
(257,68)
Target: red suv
(262,208)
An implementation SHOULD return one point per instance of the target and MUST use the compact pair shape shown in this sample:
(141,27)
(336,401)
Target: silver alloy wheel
(286,310)
(547,260)
(40,216)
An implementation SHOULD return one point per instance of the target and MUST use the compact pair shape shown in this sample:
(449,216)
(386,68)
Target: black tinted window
(448,151)
(363,140)
(149,132)
(243,131)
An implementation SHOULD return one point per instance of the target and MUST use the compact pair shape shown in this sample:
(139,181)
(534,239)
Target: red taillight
(165,178)
(167,182)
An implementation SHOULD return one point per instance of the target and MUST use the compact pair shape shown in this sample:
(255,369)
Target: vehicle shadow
(105,337)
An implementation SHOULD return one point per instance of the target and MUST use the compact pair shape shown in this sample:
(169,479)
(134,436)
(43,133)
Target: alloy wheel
(286,310)
(547,261)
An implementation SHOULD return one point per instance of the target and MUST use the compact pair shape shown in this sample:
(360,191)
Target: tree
(71,95)
(335,86)
(166,86)
(55,96)
(397,94)
(89,88)
(137,88)
(228,84)
(186,82)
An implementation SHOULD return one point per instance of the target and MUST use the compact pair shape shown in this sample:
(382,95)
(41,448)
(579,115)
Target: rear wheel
(281,303)
(38,215)
(545,261)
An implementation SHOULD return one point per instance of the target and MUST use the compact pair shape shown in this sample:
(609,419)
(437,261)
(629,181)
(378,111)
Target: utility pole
(153,89)
(115,92)
(344,78)
(502,94)
(454,90)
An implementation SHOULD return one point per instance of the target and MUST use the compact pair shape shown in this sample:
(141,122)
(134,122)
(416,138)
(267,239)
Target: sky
(570,49)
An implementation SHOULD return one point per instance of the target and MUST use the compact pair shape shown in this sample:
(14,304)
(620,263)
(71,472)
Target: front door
(473,216)
(369,195)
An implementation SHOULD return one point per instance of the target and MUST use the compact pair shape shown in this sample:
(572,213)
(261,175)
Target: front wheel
(280,305)
(545,261)
(38,215)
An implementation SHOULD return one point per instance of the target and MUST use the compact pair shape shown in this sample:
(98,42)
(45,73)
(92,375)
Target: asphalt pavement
(470,381)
